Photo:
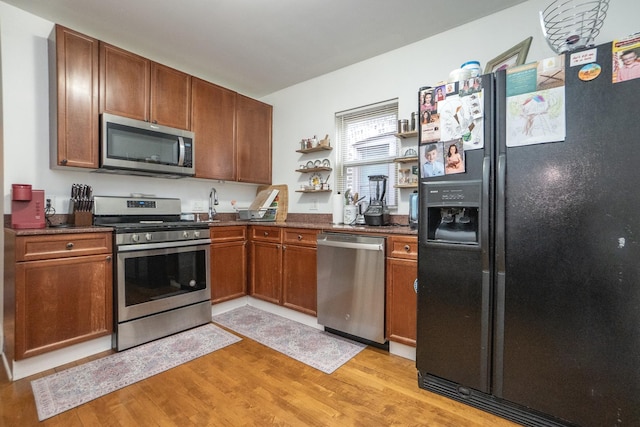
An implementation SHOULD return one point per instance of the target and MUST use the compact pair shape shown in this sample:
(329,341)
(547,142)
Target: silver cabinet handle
(70,245)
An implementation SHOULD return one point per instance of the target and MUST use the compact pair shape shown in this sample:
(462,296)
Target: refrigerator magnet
(589,72)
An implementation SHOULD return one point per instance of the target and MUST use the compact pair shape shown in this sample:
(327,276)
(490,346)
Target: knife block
(82,218)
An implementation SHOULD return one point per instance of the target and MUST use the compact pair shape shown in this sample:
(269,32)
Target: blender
(377,213)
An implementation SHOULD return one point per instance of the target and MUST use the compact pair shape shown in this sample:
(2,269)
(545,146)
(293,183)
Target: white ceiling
(257,47)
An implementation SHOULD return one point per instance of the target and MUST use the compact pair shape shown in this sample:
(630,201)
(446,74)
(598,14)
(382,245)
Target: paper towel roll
(337,208)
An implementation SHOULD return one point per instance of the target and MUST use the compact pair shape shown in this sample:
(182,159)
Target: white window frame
(384,131)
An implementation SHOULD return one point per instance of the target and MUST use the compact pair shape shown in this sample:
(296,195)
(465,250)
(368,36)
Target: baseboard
(53,359)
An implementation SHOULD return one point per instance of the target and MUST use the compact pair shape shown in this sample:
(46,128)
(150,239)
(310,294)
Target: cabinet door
(253,138)
(62,302)
(170,97)
(77,99)
(401,301)
(228,271)
(299,280)
(266,271)
(213,121)
(124,83)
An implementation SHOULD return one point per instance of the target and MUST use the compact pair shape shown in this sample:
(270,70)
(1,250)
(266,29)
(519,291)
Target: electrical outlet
(314,205)
(198,206)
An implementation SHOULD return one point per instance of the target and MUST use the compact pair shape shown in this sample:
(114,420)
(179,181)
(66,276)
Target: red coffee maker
(27,207)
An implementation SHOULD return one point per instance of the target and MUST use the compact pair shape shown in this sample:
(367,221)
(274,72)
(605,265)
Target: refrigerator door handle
(500,213)
(498,339)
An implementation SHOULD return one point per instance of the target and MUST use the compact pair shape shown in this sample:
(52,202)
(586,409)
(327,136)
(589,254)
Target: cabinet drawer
(266,234)
(402,247)
(31,248)
(228,234)
(300,236)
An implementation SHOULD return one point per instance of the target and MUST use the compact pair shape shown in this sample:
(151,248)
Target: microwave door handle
(181,151)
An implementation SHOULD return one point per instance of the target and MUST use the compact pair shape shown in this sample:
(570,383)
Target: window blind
(367,146)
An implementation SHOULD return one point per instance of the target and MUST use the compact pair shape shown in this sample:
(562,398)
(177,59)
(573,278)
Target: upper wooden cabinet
(233,134)
(232,131)
(213,115)
(170,97)
(135,87)
(253,139)
(75,141)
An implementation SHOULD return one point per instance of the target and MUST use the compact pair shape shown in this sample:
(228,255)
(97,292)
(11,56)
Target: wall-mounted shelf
(313,191)
(411,134)
(415,185)
(318,169)
(406,159)
(314,149)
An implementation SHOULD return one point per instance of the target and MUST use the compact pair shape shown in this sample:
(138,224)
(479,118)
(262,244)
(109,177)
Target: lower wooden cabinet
(228,263)
(402,271)
(299,265)
(58,291)
(283,267)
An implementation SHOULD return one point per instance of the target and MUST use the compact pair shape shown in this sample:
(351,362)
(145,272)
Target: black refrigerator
(529,254)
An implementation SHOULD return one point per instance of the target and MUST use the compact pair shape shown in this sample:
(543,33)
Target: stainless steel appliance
(377,212)
(135,147)
(351,285)
(534,316)
(162,277)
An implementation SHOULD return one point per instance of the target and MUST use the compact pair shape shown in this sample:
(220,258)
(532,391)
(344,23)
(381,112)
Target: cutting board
(283,200)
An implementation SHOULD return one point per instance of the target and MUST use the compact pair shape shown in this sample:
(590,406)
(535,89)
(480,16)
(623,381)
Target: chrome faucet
(213,200)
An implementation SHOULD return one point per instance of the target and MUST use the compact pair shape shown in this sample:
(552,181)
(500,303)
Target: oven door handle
(163,245)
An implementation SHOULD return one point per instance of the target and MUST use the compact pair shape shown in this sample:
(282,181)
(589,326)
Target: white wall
(26,129)
(308,108)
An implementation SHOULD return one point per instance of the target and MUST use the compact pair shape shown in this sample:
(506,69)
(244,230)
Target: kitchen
(411,67)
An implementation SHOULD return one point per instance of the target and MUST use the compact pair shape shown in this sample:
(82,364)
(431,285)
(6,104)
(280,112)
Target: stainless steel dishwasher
(351,285)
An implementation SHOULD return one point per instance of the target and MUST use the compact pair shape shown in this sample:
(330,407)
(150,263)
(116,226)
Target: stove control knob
(196,234)
(135,238)
(185,234)
(148,237)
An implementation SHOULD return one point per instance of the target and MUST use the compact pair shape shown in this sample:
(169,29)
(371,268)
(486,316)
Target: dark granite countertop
(58,230)
(312,221)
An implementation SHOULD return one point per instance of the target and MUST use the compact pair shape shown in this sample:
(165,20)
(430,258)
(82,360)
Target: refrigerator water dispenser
(453,212)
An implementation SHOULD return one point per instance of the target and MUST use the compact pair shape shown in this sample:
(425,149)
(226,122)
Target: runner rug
(67,389)
(316,348)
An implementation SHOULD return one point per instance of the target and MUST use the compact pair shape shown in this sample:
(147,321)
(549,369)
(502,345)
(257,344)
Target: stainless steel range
(161,274)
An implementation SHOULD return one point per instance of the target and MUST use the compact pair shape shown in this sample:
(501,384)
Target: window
(367,146)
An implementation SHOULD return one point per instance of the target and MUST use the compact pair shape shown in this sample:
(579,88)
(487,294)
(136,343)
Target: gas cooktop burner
(157,218)
(129,227)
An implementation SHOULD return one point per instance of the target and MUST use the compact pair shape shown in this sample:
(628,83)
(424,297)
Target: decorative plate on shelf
(316,179)
(317,164)
(326,163)
(309,164)
(410,153)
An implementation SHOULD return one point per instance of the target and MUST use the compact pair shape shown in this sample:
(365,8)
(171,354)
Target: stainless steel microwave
(135,147)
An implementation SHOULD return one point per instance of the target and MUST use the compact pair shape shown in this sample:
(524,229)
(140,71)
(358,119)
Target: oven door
(154,279)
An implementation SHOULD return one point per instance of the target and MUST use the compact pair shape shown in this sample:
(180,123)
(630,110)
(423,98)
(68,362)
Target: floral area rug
(316,348)
(67,389)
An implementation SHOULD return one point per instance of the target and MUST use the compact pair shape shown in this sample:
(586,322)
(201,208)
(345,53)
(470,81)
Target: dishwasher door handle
(351,245)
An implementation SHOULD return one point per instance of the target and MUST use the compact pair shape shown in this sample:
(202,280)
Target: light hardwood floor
(248,384)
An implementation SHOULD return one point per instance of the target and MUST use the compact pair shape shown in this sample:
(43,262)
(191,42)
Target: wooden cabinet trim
(226,234)
(266,234)
(32,248)
(300,236)
(405,247)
